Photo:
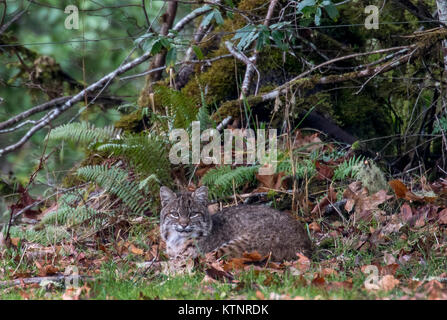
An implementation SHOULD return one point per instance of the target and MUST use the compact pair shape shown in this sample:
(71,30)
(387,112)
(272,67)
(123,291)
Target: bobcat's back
(247,228)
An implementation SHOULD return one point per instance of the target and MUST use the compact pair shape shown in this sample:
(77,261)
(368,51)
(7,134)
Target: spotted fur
(189,230)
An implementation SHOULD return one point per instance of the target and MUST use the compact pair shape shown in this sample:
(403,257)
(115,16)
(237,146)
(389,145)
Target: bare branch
(190,17)
(10,22)
(207,61)
(40,108)
(100,84)
(343,77)
(249,63)
(251,67)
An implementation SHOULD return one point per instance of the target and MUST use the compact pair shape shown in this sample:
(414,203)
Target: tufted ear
(201,194)
(166,195)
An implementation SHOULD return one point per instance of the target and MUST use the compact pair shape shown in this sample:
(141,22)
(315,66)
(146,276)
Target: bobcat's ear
(166,195)
(201,194)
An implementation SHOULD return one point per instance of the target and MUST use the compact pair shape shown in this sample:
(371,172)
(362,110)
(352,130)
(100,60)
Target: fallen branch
(39,280)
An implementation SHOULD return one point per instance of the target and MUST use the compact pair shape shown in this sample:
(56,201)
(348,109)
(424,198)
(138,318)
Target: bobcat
(189,230)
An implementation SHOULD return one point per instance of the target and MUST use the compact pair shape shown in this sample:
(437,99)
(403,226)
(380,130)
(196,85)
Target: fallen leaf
(388,283)
(365,205)
(318,281)
(347,284)
(325,172)
(217,274)
(268,182)
(260,295)
(136,250)
(389,269)
(399,188)
(241,263)
(15,241)
(406,213)
(314,227)
(327,272)
(388,258)
(327,200)
(307,143)
(303,263)
(402,192)
(442,216)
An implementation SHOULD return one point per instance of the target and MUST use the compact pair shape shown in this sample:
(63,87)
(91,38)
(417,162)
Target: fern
(441,125)
(116,182)
(348,168)
(303,168)
(222,179)
(148,154)
(83,133)
(204,115)
(70,213)
(182,108)
(46,236)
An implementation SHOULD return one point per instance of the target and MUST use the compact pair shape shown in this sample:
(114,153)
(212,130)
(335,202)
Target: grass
(122,280)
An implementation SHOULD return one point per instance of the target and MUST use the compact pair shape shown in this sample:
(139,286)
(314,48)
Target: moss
(219,80)
(372,177)
(356,111)
(272,60)
(233,108)
(131,122)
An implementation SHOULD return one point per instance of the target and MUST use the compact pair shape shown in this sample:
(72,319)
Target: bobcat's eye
(173,215)
(195,215)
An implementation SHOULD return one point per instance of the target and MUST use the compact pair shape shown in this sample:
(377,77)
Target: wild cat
(189,229)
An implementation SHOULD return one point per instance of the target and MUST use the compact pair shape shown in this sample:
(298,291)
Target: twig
(100,84)
(251,67)
(248,62)
(10,22)
(38,280)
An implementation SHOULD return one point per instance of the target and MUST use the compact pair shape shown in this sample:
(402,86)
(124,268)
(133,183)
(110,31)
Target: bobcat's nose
(183,228)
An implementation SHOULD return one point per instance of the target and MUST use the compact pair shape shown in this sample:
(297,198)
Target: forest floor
(390,243)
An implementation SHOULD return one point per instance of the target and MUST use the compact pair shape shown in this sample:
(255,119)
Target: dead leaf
(15,241)
(388,258)
(330,198)
(406,213)
(303,263)
(435,290)
(328,271)
(399,188)
(260,295)
(136,250)
(442,216)
(241,263)
(218,274)
(347,284)
(364,205)
(314,227)
(268,182)
(325,172)
(388,283)
(402,192)
(318,281)
(307,143)
(389,269)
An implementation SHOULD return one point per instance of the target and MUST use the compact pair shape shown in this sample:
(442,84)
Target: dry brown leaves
(363,204)
(330,198)
(243,262)
(270,182)
(402,192)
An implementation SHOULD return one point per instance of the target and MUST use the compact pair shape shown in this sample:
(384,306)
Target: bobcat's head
(185,215)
